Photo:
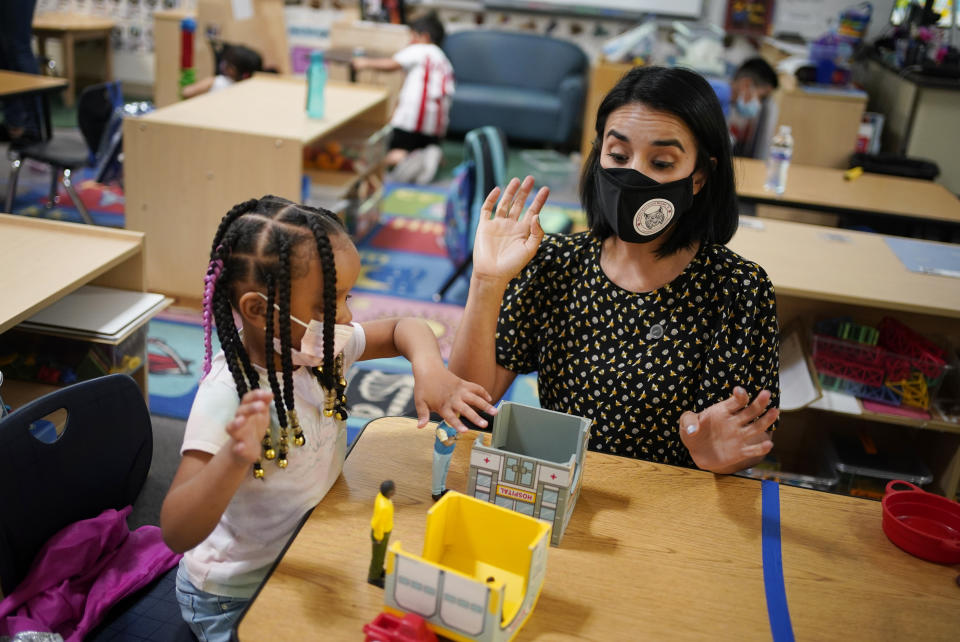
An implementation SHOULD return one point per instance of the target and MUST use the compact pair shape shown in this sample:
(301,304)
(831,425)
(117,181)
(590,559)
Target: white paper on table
(837,402)
(242,9)
(797,387)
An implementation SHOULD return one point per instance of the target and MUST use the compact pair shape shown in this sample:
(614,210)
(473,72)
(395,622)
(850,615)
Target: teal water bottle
(316,83)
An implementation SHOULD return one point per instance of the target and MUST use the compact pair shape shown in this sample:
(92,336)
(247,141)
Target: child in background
(236,63)
(423,107)
(249,474)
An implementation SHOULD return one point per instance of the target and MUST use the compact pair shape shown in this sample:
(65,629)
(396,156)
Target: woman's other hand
(731,434)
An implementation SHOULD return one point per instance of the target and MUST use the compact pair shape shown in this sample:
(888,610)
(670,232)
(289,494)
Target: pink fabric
(81,572)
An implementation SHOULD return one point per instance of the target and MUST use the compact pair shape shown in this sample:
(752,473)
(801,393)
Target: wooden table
(187,164)
(652,552)
(869,198)
(42,261)
(15,83)
(70,29)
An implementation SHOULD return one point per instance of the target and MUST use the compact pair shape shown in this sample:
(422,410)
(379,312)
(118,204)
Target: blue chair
(532,87)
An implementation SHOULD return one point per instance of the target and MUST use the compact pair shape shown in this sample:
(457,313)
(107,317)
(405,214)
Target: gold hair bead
(257,471)
(341,416)
(270,453)
(282,462)
(283,441)
(328,413)
(293,420)
(299,440)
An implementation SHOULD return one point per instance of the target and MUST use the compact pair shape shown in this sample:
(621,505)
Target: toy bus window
(511,469)
(526,475)
(482,496)
(547,514)
(525,508)
(550,496)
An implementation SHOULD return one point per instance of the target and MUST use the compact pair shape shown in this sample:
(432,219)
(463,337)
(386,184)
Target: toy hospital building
(533,465)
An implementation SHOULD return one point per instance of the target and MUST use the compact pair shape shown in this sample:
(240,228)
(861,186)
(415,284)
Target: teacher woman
(647,324)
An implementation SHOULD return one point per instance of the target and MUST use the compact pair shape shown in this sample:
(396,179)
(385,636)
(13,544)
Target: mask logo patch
(653,216)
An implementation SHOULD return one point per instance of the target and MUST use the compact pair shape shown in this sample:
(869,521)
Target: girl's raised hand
(249,425)
(509,237)
(446,394)
(729,433)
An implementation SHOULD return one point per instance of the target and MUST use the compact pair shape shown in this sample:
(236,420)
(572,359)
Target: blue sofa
(532,87)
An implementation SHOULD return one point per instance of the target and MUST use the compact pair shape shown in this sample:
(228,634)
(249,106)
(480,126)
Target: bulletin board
(749,17)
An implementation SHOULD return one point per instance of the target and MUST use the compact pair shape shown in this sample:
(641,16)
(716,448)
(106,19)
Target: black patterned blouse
(633,363)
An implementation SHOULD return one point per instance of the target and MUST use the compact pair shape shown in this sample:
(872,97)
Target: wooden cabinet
(187,164)
(42,261)
(824,122)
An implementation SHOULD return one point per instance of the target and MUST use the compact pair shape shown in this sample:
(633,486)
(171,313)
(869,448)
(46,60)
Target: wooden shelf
(18,393)
(936,422)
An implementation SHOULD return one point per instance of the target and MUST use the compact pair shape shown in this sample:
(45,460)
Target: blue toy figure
(443,445)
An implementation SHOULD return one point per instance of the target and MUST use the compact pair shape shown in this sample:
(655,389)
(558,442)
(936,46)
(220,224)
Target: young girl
(249,473)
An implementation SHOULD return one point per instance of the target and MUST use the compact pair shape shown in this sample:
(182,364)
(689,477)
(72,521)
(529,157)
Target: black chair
(99,461)
(95,107)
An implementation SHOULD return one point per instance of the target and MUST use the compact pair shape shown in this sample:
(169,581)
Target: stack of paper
(97,313)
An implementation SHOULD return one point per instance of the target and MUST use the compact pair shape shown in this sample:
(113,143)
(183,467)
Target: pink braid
(209,285)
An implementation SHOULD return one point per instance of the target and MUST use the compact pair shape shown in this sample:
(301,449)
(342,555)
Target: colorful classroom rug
(105,203)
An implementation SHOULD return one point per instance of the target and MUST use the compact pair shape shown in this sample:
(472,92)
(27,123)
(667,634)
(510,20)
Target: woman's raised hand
(509,237)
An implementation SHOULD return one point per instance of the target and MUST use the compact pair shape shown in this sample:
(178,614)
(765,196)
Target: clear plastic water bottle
(316,83)
(778,160)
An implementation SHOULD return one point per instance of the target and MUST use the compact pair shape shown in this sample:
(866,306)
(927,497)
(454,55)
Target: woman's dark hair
(257,242)
(685,94)
(430,24)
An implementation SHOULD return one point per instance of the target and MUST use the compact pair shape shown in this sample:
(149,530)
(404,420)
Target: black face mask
(638,208)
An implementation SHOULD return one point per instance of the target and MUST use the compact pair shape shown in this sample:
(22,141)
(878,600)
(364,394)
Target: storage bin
(56,359)
(895,366)
(867,459)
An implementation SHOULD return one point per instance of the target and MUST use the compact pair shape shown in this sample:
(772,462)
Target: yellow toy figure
(380,527)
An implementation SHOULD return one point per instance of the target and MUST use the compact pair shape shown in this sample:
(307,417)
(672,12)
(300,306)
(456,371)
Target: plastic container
(316,85)
(778,160)
(878,374)
(921,523)
(809,465)
(52,359)
(867,459)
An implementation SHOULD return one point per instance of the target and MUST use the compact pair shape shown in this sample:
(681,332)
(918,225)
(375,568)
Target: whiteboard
(685,8)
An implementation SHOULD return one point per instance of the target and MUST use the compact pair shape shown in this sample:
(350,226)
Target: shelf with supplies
(820,273)
(44,263)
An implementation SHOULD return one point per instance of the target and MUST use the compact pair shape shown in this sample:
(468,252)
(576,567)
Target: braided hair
(255,243)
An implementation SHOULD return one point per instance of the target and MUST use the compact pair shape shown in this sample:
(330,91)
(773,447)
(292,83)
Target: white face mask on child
(311,345)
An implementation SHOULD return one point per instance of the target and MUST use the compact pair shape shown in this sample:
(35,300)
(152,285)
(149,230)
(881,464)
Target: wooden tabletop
(824,187)
(41,261)
(652,552)
(845,266)
(273,106)
(71,22)
(14,82)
